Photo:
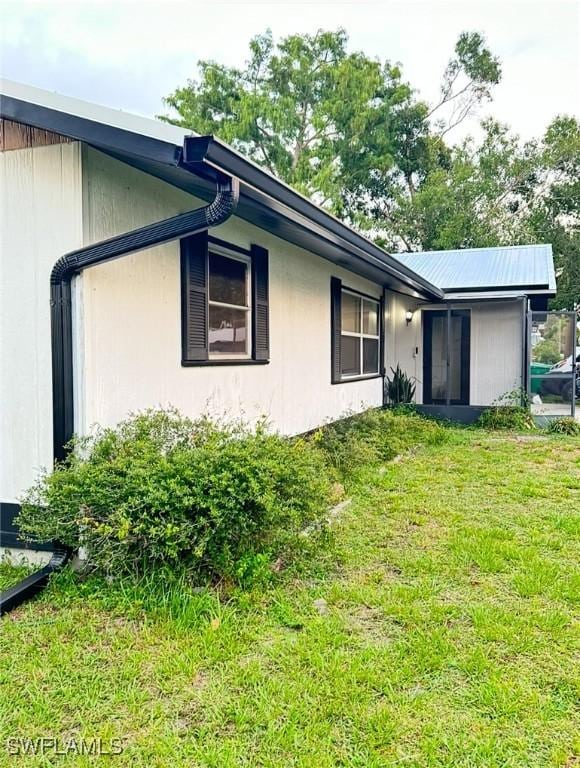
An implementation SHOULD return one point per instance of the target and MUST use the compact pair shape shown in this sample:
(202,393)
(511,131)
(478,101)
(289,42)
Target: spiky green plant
(400,389)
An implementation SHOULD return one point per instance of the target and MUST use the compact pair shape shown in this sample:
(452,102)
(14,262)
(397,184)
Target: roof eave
(257,185)
(110,138)
(264,200)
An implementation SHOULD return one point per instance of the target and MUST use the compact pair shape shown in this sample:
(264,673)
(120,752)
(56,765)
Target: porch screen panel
(554,357)
(455,359)
(439,359)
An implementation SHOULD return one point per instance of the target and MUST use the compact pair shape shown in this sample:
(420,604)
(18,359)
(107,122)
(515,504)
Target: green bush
(160,489)
(513,417)
(511,411)
(373,437)
(564,426)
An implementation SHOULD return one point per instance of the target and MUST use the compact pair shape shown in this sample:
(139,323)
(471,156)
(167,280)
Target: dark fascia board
(208,151)
(258,209)
(99,135)
(264,201)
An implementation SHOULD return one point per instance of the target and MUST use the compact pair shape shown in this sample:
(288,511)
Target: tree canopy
(351,133)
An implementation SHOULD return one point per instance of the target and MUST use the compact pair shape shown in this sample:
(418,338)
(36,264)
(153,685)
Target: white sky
(130,54)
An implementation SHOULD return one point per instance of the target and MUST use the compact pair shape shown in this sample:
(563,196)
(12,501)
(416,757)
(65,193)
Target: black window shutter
(335,328)
(260,302)
(194,297)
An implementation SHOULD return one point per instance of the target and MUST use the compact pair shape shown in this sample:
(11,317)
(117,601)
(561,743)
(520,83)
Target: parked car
(560,386)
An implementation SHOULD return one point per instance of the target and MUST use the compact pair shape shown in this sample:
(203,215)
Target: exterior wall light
(409,316)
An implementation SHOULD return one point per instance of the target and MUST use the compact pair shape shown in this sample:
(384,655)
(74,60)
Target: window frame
(362,335)
(194,282)
(220,249)
(336,290)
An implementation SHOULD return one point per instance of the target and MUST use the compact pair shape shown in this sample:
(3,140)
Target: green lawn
(450,637)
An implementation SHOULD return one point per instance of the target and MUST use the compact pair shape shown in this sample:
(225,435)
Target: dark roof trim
(494,288)
(264,200)
(213,152)
(100,135)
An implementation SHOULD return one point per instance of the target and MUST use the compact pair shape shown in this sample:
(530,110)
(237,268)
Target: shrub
(400,389)
(510,411)
(373,437)
(564,426)
(506,417)
(160,489)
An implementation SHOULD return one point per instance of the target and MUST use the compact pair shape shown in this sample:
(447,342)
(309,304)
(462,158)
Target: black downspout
(183,225)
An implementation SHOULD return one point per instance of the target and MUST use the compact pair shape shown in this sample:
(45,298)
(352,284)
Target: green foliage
(565,425)
(400,389)
(512,417)
(547,351)
(500,192)
(348,131)
(450,639)
(374,437)
(314,114)
(160,489)
(510,411)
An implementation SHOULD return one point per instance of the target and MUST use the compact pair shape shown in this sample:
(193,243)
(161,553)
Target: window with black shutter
(225,314)
(356,350)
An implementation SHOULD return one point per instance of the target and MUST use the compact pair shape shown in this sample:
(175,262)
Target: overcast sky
(129,55)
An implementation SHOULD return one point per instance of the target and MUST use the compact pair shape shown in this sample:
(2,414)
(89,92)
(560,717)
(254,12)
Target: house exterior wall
(495,347)
(402,340)
(496,350)
(40,220)
(131,344)
(127,317)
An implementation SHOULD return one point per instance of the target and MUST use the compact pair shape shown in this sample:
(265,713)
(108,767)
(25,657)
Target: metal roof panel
(501,267)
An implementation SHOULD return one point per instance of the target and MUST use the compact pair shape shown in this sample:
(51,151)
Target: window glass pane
(370,355)
(552,338)
(350,355)
(439,358)
(552,396)
(350,313)
(227,280)
(228,330)
(370,317)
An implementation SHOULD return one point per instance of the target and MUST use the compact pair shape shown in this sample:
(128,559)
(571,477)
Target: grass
(451,635)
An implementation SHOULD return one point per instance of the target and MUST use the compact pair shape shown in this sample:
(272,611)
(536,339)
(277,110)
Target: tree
(467,80)
(349,132)
(312,113)
(497,192)
(555,209)
(386,193)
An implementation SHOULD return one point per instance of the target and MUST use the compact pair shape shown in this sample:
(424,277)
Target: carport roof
(528,268)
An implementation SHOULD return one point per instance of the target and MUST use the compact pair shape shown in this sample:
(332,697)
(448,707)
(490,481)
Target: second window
(359,339)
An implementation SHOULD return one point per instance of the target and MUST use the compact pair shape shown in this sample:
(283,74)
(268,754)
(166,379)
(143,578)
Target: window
(224,304)
(229,306)
(355,334)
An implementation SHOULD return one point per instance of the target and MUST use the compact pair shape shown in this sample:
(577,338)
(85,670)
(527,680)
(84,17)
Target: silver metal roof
(521,267)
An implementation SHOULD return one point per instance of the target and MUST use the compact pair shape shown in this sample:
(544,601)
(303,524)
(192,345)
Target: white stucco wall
(127,317)
(403,342)
(131,309)
(40,220)
(495,348)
